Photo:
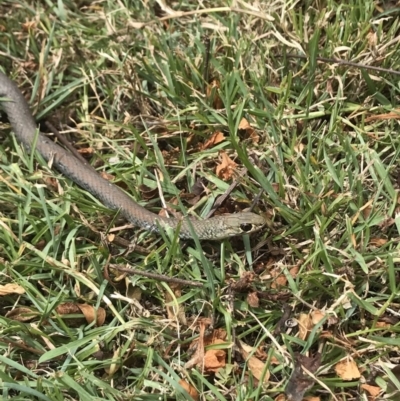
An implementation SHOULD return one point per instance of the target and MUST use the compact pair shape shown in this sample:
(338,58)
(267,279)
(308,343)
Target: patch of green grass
(126,80)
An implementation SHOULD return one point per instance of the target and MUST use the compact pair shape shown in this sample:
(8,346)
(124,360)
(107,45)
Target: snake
(112,196)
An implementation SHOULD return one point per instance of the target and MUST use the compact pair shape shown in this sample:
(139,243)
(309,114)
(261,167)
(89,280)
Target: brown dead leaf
(382,325)
(23,314)
(67,308)
(378,242)
(294,271)
(214,359)
(88,311)
(255,365)
(347,370)
(226,168)
(244,124)
(209,360)
(107,176)
(310,398)
(245,283)
(280,279)
(86,151)
(373,391)
(317,316)
(217,334)
(11,288)
(305,325)
(216,137)
(70,308)
(197,347)
(250,131)
(189,389)
(253,300)
(275,361)
(92,315)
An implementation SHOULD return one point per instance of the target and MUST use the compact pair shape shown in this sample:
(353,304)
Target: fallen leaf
(250,131)
(107,176)
(280,279)
(253,299)
(245,283)
(256,366)
(189,389)
(214,359)
(86,151)
(305,325)
(382,325)
(22,314)
(11,288)
(378,241)
(347,370)
(294,271)
(216,137)
(317,316)
(226,168)
(371,390)
(197,347)
(92,314)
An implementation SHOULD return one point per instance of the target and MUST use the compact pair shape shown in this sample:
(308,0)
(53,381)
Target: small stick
(343,62)
(158,277)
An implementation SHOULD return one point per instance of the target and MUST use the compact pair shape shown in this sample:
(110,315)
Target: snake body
(25,129)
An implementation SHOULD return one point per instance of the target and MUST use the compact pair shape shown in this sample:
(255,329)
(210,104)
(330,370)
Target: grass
(125,81)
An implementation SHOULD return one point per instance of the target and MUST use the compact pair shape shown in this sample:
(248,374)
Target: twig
(342,62)
(158,277)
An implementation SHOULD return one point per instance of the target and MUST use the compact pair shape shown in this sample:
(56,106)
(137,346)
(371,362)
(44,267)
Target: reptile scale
(24,126)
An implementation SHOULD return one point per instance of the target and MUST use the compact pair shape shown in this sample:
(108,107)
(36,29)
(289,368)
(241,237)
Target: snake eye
(246,227)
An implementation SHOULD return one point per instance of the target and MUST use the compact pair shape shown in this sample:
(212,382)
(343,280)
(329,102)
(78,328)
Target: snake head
(230,225)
